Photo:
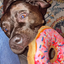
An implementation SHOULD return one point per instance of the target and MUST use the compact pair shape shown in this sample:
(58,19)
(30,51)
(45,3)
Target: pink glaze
(47,38)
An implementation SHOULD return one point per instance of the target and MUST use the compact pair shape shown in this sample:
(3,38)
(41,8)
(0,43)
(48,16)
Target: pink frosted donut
(47,47)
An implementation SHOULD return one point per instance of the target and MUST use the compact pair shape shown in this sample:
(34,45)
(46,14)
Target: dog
(21,21)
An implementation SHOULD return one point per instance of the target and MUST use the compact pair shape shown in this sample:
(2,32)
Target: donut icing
(47,39)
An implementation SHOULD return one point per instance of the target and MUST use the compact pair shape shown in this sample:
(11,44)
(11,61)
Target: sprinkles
(40,46)
(43,57)
(49,37)
(42,38)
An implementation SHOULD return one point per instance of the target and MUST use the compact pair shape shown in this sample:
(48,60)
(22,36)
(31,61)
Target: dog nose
(18,43)
(17,39)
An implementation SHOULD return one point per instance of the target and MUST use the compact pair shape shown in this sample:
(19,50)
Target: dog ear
(6,4)
(43,5)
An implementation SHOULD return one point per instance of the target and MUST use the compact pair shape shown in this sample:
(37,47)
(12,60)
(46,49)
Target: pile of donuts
(46,48)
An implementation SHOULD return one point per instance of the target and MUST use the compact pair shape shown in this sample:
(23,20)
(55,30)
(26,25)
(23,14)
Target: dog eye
(4,28)
(23,16)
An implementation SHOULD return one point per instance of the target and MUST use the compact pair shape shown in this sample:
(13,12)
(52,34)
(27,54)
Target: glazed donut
(46,48)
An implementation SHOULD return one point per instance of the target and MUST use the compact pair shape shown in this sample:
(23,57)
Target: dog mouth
(17,49)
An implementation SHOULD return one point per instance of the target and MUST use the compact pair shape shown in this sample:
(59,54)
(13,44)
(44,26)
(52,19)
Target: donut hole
(51,53)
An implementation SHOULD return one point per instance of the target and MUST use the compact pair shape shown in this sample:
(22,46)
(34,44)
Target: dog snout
(16,39)
(18,43)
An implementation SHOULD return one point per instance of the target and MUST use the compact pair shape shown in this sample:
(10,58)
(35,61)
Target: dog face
(21,22)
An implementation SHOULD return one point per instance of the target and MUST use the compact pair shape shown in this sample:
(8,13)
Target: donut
(46,48)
